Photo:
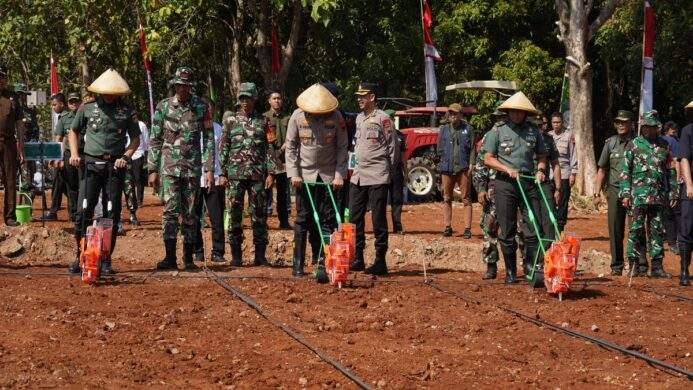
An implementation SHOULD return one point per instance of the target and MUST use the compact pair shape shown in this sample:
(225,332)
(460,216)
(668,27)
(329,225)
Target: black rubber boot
(133,219)
(106,269)
(658,269)
(491,271)
(169,262)
(260,259)
(188,263)
(685,252)
(236,255)
(74,268)
(320,273)
(510,260)
(358,264)
(379,268)
(299,257)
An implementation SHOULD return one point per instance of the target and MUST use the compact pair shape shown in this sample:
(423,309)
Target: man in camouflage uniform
(70,175)
(246,166)
(31,134)
(483,179)
(176,154)
(645,185)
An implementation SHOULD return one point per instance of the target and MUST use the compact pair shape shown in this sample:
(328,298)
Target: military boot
(299,257)
(320,273)
(491,271)
(379,267)
(106,269)
(260,259)
(685,252)
(169,262)
(510,260)
(358,264)
(188,263)
(75,268)
(658,269)
(236,255)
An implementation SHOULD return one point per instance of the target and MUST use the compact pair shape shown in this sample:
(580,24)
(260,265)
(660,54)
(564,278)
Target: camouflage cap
(247,89)
(649,118)
(20,88)
(624,115)
(74,96)
(183,76)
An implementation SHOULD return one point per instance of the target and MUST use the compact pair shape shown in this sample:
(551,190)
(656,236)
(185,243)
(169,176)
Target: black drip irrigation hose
(290,332)
(594,340)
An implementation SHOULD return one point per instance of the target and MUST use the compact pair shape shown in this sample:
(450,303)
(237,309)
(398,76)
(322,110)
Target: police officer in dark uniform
(11,145)
(510,148)
(105,122)
(685,158)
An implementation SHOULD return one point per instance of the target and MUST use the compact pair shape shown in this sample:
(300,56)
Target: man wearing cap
(375,148)
(685,157)
(610,164)
(70,175)
(11,145)
(510,149)
(58,103)
(247,166)
(103,124)
(567,159)
(645,186)
(276,136)
(31,134)
(551,186)
(175,163)
(456,153)
(316,152)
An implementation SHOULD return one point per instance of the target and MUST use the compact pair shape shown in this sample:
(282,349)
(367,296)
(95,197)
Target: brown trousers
(8,166)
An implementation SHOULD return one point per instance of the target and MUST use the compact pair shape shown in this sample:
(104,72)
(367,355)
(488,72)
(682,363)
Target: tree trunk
(84,69)
(581,121)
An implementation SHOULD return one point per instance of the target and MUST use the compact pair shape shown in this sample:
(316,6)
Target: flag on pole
(55,88)
(276,55)
(148,70)
(646,99)
(430,54)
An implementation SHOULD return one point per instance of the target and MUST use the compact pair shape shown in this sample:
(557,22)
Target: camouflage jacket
(174,141)
(482,175)
(645,178)
(31,126)
(244,151)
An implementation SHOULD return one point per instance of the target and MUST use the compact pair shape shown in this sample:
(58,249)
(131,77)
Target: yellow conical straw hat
(317,100)
(518,102)
(110,83)
(690,105)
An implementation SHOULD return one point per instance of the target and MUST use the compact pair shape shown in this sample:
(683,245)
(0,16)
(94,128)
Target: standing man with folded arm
(278,123)
(567,159)
(11,145)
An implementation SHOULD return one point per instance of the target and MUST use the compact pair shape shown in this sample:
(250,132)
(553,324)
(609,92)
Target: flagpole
(434,117)
(150,87)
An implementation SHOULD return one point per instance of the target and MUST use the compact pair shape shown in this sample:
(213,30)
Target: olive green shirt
(613,157)
(515,146)
(551,155)
(105,126)
(62,128)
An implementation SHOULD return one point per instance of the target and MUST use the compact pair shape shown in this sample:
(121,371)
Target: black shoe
(106,269)
(188,253)
(50,216)
(467,234)
(236,255)
(297,268)
(447,232)
(169,262)
(658,269)
(684,278)
(11,222)
(217,258)
(260,258)
(166,264)
(320,274)
(379,268)
(510,261)
(358,264)
(133,220)
(616,272)
(199,256)
(74,268)
(491,271)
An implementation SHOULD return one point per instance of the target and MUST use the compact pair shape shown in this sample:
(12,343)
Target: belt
(506,177)
(104,157)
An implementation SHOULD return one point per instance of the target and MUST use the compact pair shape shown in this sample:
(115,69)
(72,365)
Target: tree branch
(563,19)
(289,50)
(604,15)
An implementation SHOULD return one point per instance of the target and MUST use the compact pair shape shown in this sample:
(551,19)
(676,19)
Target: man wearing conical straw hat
(511,146)
(685,158)
(97,136)
(316,152)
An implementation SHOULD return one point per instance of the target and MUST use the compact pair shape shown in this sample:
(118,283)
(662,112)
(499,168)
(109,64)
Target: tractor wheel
(423,179)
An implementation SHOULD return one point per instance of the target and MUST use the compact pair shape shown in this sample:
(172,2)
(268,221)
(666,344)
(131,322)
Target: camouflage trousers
(489,225)
(257,202)
(178,195)
(130,190)
(637,233)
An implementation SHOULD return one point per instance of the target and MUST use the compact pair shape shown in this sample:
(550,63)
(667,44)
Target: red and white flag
(430,54)
(148,70)
(55,88)
(646,98)
(276,51)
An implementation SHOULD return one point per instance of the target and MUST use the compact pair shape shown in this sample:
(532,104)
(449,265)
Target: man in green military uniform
(276,136)
(483,180)
(175,160)
(31,134)
(510,149)
(645,186)
(70,175)
(11,145)
(103,123)
(611,163)
(246,166)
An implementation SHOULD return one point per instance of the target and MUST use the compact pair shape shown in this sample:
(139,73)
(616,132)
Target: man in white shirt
(212,196)
(134,176)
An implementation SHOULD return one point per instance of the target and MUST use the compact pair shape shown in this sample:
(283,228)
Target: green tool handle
(552,217)
(533,221)
(316,217)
